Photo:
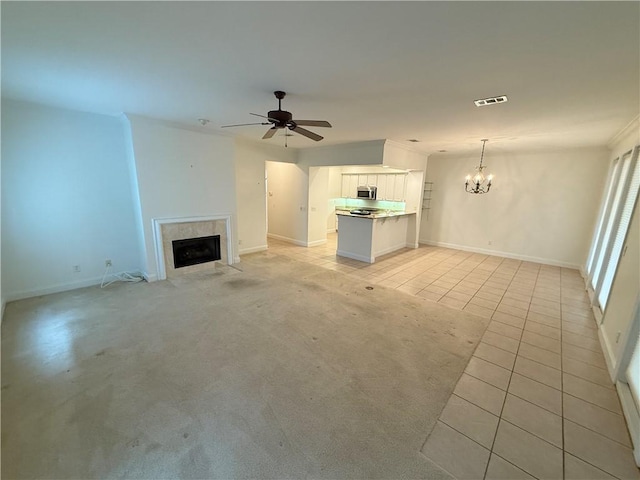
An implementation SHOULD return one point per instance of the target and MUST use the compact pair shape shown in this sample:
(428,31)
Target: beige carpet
(281,370)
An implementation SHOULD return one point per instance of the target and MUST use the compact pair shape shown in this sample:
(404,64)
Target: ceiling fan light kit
(281,119)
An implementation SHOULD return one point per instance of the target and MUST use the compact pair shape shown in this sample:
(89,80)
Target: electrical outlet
(76,268)
(108,263)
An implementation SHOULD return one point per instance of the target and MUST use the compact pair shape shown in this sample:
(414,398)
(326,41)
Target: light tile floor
(535,400)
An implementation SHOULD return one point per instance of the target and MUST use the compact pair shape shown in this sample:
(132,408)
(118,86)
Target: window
(622,192)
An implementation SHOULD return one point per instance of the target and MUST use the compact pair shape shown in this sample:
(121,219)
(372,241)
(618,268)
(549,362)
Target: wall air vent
(413,140)
(490,101)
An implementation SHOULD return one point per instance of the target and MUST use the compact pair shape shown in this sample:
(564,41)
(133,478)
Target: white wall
(356,153)
(398,155)
(135,190)
(181,173)
(334,191)
(288,190)
(250,158)
(66,199)
(542,205)
(318,205)
(415,190)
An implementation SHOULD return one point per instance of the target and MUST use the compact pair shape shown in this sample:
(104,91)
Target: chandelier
(475,183)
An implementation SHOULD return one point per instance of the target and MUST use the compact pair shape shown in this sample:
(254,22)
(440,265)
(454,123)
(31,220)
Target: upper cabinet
(382,187)
(400,188)
(391,186)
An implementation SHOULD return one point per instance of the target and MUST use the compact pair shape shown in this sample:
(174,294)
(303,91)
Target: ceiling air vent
(490,101)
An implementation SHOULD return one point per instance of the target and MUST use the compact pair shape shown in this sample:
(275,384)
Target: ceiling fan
(279,119)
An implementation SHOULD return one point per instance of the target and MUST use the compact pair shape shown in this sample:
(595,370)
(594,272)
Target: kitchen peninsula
(367,234)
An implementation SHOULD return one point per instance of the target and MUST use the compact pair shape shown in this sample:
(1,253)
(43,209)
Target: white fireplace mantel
(157,237)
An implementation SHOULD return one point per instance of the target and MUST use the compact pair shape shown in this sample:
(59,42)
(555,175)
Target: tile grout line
(512,371)
(457,283)
(495,436)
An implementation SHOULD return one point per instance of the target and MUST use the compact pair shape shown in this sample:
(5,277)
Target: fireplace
(170,230)
(193,251)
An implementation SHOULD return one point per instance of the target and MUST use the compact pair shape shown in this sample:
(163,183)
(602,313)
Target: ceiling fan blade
(272,120)
(270,133)
(244,124)
(307,133)
(313,123)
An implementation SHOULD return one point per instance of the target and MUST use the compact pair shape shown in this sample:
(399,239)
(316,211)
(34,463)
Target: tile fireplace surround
(166,230)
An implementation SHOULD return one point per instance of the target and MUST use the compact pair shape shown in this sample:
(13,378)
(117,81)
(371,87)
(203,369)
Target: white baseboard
(631,416)
(412,245)
(287,239)
(331,230)
(150,277)
(497,253)
(609,355)
(391,249)
(315,243)
(65,287)
(61,287)
(353,256)
(259,248)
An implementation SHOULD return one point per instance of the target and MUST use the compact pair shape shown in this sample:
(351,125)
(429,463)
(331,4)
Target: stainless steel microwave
(367,192)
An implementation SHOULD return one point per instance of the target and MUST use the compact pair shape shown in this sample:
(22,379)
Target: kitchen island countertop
(381,214)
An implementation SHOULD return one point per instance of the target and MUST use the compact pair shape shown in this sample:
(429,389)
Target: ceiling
(394,70)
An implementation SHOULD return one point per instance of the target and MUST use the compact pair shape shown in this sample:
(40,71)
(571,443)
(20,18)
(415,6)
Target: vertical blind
(622,192)
(597,243)
(621,233)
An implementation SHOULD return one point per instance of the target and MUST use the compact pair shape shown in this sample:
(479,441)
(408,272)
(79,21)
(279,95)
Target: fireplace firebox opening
(192,251)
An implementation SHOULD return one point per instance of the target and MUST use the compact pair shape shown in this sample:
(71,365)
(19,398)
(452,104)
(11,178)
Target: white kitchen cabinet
(350,183)
(381,183)
(391,186)
(399,188)
(344,190)
(353,186)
